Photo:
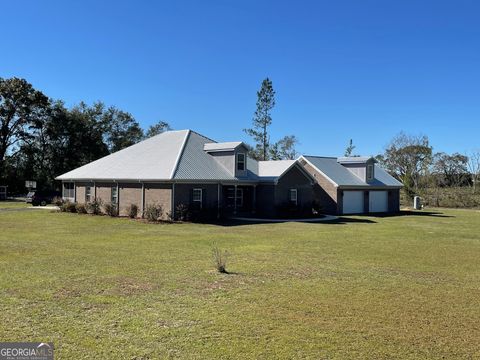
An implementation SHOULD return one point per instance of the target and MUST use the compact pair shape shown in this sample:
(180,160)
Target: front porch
(239,199)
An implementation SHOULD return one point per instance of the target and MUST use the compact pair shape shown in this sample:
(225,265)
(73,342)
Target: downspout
(235,201)
(173,201)
(143,199)
(218,201)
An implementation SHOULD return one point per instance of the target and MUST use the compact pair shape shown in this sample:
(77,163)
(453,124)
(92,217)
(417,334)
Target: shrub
(132,211)
(181,212)
(153,212)
(57,201)
(110,209)
(68,206)
(81,208)
(94,207)
(169,216)
(220,259)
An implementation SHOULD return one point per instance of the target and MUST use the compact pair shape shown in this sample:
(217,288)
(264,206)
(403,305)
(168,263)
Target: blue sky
(341,69)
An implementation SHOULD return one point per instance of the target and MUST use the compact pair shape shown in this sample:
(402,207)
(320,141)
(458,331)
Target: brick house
(185,168)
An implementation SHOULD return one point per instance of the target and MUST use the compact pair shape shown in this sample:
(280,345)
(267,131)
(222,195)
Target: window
(68,190)
(197,197)
(88,193)
(241,162)
(232,199)
(293,196)
(114,198)
(369,172)
(239,197)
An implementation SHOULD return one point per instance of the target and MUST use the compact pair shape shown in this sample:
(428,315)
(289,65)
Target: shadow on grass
(355,219)
(338,221)
(413,213)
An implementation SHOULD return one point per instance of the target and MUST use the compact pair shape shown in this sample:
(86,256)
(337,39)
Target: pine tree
(262,119)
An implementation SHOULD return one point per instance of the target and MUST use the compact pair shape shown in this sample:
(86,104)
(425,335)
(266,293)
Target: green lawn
(405,287)
(13,205)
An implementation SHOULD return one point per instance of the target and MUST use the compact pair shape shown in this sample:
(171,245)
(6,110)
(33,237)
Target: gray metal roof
(274,169)
(196,164)
(341,176)
(172,155)
(225,146)
(354,159)
(152,159)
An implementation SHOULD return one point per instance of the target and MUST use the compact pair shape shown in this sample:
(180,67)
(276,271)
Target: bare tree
(474,168)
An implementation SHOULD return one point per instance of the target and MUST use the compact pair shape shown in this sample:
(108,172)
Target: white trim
(320,171)
(90,193)
(244,162)
(300,167)
(180,153)
(201,196)
(293,191)
(111,194)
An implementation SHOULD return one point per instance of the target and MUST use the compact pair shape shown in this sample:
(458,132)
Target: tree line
(41,138)
(411,159)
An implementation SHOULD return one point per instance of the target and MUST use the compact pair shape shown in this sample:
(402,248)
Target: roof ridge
(321,157)
(180,153)
(206,137)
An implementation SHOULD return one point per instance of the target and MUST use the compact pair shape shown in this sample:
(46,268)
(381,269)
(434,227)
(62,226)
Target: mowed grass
(405,287)
(13,205)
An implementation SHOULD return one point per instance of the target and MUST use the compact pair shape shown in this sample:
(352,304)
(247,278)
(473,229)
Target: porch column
(218,201)
(95,190)
(143,200)
(235,201)
(254,207)
(173,201)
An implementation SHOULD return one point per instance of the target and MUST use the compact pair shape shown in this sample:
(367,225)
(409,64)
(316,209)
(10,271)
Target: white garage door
(378,201)
(352,202)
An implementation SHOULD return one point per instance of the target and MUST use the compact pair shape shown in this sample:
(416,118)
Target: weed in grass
(220,259)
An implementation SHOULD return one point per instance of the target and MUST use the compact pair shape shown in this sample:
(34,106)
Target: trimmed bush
(132,211)
(68,206)
(153,212)
(81,208)
(181,212)
(94,207)
(110,209)
(57,201)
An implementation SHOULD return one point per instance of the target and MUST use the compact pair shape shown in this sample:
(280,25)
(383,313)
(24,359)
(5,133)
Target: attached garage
(378,201)
(353,202)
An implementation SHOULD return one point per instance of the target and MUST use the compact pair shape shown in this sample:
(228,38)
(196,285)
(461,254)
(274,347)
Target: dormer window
(369,172)
(240,162)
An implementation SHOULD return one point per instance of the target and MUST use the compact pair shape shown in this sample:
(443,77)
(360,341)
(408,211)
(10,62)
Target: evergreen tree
(262,119)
